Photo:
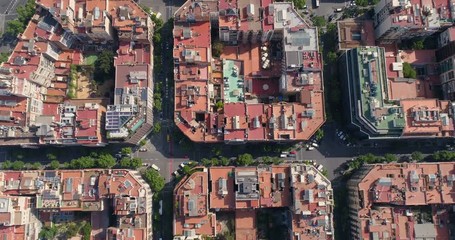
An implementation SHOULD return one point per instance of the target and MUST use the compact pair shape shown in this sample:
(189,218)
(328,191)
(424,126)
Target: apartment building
(402,201)
(32,199)
(266,85)
(382,103)
(406,19)
(302,195)
(34,106)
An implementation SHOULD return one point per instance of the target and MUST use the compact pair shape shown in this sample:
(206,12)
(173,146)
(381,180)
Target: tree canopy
(408,71)
(104,66)
(105,161)
(417,156)
(54,164)
(154,179)
(217,48)
(130,163)
(244,160)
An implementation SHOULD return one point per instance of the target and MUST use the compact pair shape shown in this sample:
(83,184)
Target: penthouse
(36,81)
(266,85)
(383,103)
(207,194)
(402,201)
(31,199)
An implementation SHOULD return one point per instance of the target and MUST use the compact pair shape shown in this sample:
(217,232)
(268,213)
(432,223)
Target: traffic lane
(326,8)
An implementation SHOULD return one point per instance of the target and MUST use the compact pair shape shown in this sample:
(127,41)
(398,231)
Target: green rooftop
(372,77)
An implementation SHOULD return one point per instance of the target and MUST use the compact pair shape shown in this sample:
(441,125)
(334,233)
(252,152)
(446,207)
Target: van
(155,167)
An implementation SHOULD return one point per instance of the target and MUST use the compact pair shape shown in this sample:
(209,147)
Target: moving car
(143,150)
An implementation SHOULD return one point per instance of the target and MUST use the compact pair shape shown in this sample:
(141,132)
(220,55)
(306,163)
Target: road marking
(10,6)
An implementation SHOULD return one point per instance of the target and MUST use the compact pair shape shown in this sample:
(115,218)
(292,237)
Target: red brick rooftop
(242,190)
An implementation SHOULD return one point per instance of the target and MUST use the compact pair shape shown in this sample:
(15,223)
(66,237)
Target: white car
(283,155)
(320,167)
(155,167)
(314,145)
(310,148)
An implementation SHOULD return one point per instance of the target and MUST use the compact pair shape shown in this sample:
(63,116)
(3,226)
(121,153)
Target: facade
(382,103)
(266,85)
(301,194)
(396,20)
(35,81)
(31,199)
(446,57)
(402,201)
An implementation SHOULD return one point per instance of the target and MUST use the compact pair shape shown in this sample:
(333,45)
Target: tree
(125,162)
(48,233)
(361,3)
(331,57)
(417,45)
(319,134)
(135,163)
(126,151)
(142,142)
(51,157)
(215,161)
(14,27)
(145,8)
(36,166)
(217,49)
(417,156)
(104,66)
(267,160)
(206,162)
(390,158)
(277,161)
(408,71)
(18,165)
(54,164)
(299,4)
(224,161)
(219,105)
(7,164)
(186,170)
(319,21)
(4,57)
(157,128)
(86,231)
(82,162)
(217,150)
(153,178)
(244,159)
(105,161)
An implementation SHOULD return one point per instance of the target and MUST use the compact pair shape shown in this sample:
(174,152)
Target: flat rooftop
(300,188)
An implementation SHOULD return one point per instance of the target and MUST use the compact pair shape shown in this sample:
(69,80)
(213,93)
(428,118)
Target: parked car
(320,167)
(291,155)
(339,10)
(314,145)
(310,148)
(176,173)
(155,167)
(145,164)
(283,155)
(143,150)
